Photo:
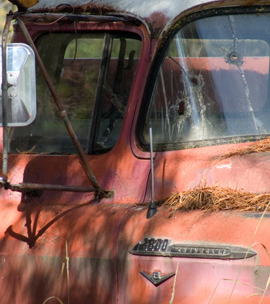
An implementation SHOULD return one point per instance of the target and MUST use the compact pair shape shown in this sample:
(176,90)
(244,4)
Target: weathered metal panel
(60,231)
(157,14)
(186,169)
(195,280)
(142,8)
(72,257)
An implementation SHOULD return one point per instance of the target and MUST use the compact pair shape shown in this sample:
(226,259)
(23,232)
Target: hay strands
(216,198)
(256,147)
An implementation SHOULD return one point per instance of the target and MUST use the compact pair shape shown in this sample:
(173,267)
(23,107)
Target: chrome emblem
(156,277)
(166,248)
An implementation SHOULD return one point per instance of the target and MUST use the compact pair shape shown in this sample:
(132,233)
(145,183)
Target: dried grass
(215,198)
(256,147)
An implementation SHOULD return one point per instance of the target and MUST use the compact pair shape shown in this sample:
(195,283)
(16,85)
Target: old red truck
(135,152)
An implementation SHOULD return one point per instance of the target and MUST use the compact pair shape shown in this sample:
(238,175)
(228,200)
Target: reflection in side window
(92,75)
(213,84)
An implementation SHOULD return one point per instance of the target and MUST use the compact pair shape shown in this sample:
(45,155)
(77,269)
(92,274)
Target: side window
(213,84)
(92,75)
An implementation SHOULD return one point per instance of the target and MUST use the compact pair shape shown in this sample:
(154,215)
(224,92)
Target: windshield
(213,84)
(92,75)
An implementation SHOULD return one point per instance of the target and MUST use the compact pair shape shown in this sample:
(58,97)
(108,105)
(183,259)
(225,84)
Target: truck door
(60,243)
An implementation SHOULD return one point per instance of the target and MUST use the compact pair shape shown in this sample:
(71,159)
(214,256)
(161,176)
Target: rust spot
(157,22)
(90,8)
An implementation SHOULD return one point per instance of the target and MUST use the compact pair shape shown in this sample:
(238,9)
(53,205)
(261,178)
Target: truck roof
(156,13)
(142,8)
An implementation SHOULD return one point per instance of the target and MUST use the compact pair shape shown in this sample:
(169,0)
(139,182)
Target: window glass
(92,75)
(213,84)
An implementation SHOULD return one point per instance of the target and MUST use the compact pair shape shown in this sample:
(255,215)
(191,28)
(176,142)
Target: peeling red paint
(77,247)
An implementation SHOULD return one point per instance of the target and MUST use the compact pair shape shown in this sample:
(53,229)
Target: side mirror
(21,78)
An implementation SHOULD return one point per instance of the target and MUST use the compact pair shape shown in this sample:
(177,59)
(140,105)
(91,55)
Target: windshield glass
(92,75)
(213,84)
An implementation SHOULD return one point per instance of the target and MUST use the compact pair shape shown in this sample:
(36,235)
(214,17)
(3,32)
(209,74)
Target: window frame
(97,106)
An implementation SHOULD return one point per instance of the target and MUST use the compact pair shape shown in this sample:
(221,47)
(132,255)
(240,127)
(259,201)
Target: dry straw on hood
(256,147)
(216,198)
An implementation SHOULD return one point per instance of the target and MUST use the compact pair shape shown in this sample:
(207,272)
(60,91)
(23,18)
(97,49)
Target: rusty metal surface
(170,8)
(203,166)
(140,7)
(155,12)
(196,280)
(62,111)
(67,253)
(4,98)
(70,246)
(62,230)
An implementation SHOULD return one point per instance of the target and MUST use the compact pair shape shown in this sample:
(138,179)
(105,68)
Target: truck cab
(135,150)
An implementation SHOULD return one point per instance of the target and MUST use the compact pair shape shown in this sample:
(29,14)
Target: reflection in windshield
(213,83)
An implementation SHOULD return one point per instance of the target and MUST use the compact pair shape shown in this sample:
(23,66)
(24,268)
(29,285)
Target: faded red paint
(73,247)
(197,280)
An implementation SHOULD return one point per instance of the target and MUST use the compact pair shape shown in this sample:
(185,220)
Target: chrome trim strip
(163,247)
